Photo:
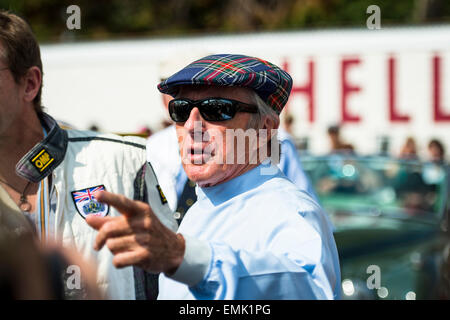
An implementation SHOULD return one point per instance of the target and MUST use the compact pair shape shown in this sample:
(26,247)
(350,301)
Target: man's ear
(271,123)
(31,83)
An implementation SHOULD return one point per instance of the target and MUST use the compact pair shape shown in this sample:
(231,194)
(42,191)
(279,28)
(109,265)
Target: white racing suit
(79,163)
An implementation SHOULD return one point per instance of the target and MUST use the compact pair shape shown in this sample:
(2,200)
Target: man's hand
(137,237)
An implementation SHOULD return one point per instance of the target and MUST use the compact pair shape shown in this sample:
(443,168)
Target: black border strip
(85,139)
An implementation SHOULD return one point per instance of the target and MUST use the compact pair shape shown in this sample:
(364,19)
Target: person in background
(409,150)
(288,124)
(436,151)
(252,234)
(337,145)
(52,176)
(290,163)
(94,127)
(145,132)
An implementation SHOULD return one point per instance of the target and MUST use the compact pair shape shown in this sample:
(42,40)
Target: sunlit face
(204,159)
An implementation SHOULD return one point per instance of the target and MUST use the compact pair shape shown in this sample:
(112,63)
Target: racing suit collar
(46,155)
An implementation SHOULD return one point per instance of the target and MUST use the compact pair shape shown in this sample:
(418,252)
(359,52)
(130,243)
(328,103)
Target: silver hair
(257,119)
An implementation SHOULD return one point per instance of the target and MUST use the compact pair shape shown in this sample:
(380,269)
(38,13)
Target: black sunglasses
(211,109)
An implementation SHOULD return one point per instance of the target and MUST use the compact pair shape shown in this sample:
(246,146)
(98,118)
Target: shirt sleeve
(214,270)
(196,262)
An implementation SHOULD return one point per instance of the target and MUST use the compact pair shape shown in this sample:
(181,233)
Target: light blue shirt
(255,237)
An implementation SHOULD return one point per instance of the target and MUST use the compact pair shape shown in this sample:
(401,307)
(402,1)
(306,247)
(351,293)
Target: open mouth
(197,150)
(200,154)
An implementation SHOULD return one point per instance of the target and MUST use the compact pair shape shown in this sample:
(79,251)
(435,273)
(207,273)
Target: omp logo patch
(42,160)
(161,194)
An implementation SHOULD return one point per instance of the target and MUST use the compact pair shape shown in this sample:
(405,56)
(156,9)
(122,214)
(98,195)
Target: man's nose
(195,121)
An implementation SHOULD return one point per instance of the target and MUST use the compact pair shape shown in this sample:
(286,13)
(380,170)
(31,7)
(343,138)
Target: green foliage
(104,19)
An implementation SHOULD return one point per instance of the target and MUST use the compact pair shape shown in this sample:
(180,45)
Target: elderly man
(252,234)
(52,175)
(180,191)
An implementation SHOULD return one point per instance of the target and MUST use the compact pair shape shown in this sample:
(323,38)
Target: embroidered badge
(161,194)
(42,160)
(86,203)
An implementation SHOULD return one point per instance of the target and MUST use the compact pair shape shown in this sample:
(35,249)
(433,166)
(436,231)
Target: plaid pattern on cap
(270,82)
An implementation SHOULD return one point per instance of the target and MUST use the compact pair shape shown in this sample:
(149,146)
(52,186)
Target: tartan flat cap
(270,82)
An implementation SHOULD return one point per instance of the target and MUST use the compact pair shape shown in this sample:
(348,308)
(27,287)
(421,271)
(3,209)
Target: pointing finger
(112,229)
(126,259)
(124,205)
(96,222)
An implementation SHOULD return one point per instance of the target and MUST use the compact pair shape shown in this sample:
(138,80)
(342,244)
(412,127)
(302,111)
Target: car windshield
(379,185)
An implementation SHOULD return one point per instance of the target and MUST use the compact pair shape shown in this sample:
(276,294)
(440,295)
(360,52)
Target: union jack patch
(86,203)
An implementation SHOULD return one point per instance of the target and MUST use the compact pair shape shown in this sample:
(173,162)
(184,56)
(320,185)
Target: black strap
(186,199)
(145,283)
(86,139)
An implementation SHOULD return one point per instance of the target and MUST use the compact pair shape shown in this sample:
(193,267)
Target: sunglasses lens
(180,110)
(217,109)
(214,109)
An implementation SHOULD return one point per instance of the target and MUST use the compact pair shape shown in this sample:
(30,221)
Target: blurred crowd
(435,148)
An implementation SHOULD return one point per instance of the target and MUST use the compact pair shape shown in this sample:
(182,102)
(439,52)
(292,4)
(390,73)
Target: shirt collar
(247,181)
(46,155)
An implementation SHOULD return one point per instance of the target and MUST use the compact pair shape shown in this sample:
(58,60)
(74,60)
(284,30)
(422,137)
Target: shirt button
(176,215)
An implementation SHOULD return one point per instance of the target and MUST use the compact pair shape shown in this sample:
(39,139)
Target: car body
(391,224)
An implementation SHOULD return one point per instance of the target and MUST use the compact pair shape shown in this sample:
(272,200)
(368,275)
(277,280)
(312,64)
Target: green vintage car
(391,220)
